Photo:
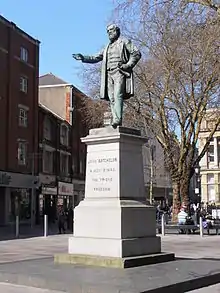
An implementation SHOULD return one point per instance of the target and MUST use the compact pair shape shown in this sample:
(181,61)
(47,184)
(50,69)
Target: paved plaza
(26,264)
(11,288)
(209,289)
(192,246)
(32,248)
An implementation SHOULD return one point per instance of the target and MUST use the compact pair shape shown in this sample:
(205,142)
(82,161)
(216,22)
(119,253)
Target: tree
(214,5)
(92,109)
(176,82)
(92,112)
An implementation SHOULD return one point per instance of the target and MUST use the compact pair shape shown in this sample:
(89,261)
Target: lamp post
(198,184)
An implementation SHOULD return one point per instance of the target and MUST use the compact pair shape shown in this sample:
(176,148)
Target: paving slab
(29,262)
(184,246)
(32,248)
(209,289)
(11,288)
(179,276)
(192,246)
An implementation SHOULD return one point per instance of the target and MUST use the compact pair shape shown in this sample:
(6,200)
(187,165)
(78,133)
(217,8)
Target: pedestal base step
(114,262)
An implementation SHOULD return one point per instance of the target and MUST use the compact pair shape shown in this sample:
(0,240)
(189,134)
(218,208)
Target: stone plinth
(113,223)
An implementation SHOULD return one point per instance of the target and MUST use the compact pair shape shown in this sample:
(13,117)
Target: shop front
(48,196)
(65,195)
(16,196)
(79,191)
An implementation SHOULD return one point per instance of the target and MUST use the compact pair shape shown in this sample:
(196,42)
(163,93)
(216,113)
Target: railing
(162,227)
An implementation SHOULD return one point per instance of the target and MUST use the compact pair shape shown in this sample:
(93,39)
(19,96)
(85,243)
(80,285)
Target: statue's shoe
(116,124)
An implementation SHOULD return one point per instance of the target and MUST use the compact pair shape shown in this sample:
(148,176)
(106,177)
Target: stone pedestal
(113,226)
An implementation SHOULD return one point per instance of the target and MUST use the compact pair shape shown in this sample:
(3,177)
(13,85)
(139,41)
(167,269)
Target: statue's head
(113,32)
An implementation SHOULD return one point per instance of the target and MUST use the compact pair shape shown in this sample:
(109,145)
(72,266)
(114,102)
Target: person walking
(61,221)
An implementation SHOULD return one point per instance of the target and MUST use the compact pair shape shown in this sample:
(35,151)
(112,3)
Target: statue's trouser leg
(116,89)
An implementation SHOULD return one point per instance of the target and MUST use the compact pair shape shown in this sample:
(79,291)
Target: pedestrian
(70,219)
(61,221)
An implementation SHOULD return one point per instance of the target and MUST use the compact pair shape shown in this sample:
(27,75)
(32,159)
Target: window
(211,192)
(24,54)
(23,84)
(23,117)
(211,153)
(211,186)
(22,153)
(64,164)
(47,128)
(210,178)
(48,162)
(81,169)
(64,135)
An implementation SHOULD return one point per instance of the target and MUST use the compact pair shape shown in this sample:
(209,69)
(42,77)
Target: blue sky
(63,27)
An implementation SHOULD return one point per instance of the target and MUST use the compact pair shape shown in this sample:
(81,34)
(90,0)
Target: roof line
(55,85)
(12,25)
(50,111)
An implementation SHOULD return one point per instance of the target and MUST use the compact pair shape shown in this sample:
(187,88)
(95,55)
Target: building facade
(156,176)
(62,172)
(19,70)
(55,168)
(210,163)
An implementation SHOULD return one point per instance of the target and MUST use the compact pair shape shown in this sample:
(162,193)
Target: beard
(113,37)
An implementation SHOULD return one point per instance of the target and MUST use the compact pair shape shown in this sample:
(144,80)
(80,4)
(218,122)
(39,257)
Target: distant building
(19,70)
(156,176)
(210,163)
(62,168)
(55,169)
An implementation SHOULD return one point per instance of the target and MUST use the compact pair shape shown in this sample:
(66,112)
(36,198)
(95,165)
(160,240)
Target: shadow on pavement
(26,231)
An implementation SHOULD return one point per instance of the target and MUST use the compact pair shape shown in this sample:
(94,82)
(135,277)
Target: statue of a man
(119,58)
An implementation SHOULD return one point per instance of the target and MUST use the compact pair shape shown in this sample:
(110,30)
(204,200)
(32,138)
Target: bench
(185,228)
(215,227)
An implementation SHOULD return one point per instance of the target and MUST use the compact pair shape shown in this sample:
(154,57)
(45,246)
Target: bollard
(17,227)
(200,227)
(45,225)
(163,225)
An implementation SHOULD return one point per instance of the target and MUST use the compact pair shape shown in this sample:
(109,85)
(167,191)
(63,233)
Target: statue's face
(112,33)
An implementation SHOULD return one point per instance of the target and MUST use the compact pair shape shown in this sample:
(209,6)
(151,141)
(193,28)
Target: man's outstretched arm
(89,59)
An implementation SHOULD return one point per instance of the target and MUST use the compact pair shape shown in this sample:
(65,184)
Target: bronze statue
(119,58)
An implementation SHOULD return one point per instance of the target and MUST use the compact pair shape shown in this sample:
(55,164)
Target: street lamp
(198,183)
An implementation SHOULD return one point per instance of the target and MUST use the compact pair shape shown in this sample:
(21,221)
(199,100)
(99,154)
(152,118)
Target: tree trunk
(184,191)
(176,200)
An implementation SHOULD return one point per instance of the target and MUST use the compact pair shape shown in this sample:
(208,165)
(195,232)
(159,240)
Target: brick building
(19,70)
(55,168)
(62,167)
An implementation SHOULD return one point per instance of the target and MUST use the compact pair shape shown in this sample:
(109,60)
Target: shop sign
(47,179)
(49,190)
(65,188)
(5,179)
(18,180)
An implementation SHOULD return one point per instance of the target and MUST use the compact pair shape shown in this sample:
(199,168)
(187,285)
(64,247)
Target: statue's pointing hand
(78,56)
